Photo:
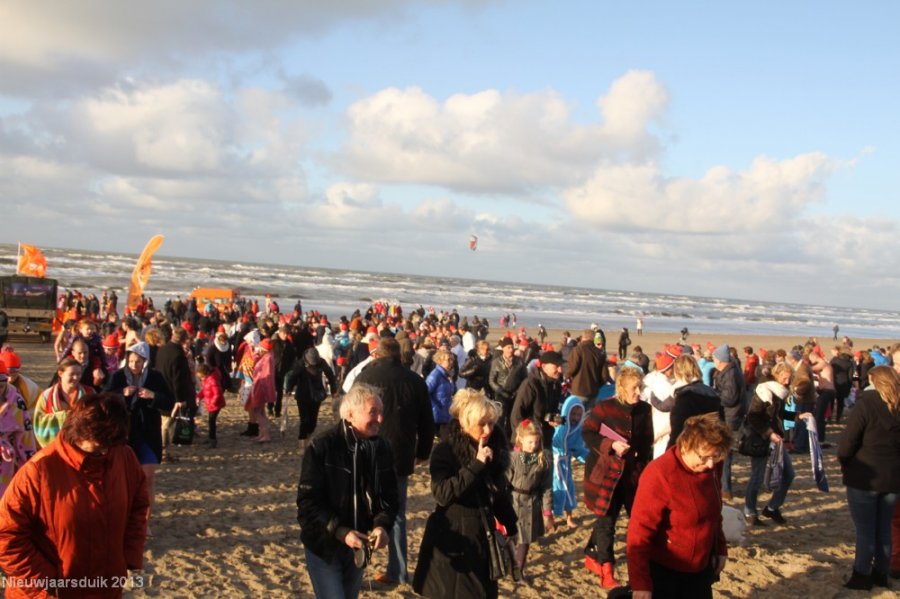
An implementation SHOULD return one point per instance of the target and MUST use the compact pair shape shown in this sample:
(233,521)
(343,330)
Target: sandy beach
(225,521)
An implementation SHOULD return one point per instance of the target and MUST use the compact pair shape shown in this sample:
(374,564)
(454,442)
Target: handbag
(496,563)
(750,443)
(184,430)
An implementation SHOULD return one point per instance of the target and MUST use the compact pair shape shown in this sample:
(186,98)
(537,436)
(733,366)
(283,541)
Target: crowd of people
(498,423)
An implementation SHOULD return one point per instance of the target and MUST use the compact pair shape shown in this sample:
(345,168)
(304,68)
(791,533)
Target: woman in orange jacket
(77,511)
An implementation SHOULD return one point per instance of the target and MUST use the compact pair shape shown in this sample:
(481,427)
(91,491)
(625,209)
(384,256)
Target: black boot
(880,579)
(252,430)
(859,582)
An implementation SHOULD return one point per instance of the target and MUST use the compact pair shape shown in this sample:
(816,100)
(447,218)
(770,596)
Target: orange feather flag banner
(141,273)
(31,261)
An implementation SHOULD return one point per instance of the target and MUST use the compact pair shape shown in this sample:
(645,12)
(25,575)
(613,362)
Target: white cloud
(769,195)
(493,141)
(47,45)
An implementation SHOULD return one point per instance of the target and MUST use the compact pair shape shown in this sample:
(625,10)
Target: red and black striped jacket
(604,470)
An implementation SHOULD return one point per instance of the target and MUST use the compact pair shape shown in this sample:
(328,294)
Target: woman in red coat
(77,511)
(618,453)
(676,545)
(263,391)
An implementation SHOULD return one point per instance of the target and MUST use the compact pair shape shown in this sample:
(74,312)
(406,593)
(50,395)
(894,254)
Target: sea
(337,292)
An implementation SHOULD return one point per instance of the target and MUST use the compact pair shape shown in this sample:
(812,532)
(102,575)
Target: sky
(700,148)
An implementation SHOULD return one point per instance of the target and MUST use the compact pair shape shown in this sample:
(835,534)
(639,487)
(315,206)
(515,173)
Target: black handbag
(750,442)
(495,555)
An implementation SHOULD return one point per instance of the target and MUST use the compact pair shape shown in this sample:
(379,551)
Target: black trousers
(671,584)
(603,535)
(823,400)
(212,424)
(309,415)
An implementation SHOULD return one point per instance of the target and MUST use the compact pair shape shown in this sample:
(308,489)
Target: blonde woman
(619,434)
(468,481)
(869,453)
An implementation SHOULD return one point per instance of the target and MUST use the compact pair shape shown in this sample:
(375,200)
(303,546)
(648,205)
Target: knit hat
(111,341)
(505,342)
(666,358)
(551,357)
(722,353)
(10,359)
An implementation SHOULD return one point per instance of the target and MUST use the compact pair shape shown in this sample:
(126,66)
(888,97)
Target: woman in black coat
(147,395)
(869,453)
(304,380)
(468,482)
(477,369)
(691,397)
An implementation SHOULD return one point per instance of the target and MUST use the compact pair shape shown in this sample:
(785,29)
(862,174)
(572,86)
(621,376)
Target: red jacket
(70,516)
(211,392)
(676,520)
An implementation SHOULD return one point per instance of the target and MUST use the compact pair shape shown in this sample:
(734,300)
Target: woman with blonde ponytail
(869,452)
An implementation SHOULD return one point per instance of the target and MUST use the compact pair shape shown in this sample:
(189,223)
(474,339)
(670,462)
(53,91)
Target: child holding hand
(530,476)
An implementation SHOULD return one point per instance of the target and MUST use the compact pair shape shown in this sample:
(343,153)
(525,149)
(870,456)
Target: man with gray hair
(341,516)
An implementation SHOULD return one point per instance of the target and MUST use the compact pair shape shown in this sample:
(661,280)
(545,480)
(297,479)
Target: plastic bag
(774,468)
(184,430)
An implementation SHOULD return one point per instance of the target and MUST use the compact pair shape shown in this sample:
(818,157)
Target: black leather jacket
(339,474)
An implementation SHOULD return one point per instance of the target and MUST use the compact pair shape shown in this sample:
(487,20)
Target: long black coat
(453,558)
(408,423)
(145,416)
(172,363)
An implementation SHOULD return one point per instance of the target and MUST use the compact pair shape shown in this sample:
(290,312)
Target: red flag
(31,261)
(141,273)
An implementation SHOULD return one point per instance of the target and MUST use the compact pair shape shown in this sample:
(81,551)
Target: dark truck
(27,307)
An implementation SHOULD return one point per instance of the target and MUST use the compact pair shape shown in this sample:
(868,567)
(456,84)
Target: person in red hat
(27,388)
(110,356)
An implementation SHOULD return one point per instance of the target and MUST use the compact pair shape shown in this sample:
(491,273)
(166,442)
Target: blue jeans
(872,512)
(332,580)
(757,473)
(726,471)
(397,567)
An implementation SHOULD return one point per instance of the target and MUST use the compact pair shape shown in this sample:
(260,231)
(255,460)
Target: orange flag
(141,273)
(31,261)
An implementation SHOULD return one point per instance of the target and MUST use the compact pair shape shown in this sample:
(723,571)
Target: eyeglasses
(714,458)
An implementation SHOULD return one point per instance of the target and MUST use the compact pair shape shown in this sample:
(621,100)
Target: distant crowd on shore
(509,416)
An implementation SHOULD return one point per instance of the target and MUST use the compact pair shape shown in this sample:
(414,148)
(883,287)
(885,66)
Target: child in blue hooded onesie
(567,444)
